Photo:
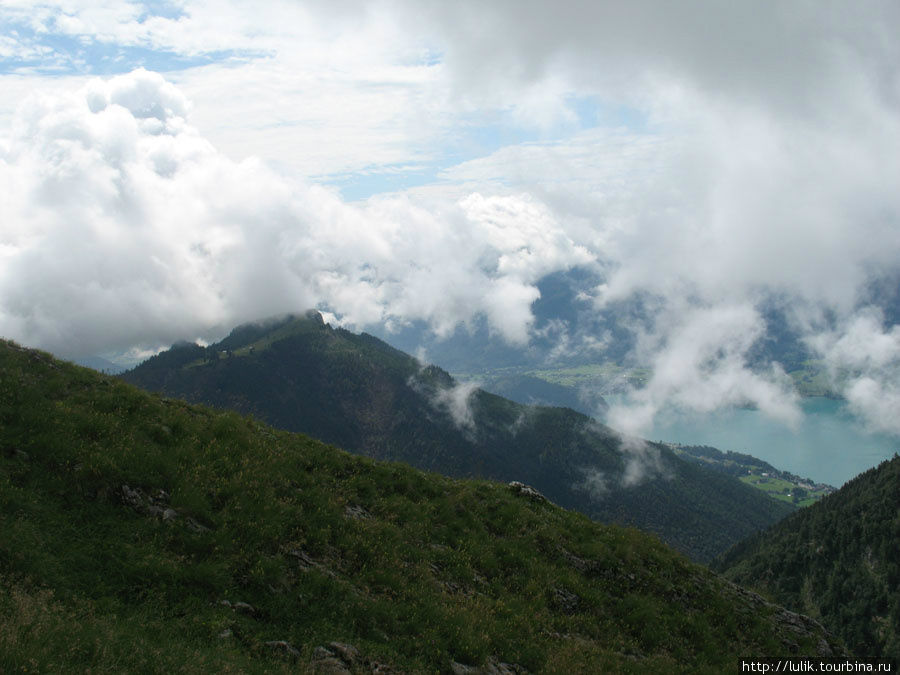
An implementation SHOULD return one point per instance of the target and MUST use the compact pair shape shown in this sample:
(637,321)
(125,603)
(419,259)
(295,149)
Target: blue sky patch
(56,53)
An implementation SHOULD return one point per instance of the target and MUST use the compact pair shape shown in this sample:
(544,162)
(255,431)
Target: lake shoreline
(829,445)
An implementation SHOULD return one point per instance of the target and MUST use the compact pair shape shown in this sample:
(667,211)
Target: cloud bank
(710,160)
(123,226)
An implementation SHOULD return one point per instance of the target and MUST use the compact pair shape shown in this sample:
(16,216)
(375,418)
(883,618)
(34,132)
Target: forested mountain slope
(837,560)
(359,393)
(143,534)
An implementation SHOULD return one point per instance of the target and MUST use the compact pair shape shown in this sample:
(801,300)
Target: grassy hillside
(836,560)
(359,393)
(143,534)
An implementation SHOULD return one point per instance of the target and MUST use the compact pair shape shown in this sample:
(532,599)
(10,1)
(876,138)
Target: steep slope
(836,560)
(359,393)
(142,534)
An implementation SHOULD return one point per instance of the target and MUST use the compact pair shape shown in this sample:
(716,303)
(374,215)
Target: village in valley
(781,485)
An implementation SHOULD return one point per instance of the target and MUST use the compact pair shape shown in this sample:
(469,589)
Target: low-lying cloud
(863,359)
(699,363)
(642,462)
(457,400)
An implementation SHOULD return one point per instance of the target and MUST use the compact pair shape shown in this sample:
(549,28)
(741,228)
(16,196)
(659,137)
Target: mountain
(144,534)
(357,392)
(836,560)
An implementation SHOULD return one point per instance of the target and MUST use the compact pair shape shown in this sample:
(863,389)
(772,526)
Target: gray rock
(791,626)
(132,497)
(303,558)
(321,652)
(527,491)
(307,563)
(194,526)
(284,648)
(348,653)
(340,658)
(330,666)
(356,512)
(588,567)
(491,667)
(326,660)
(565,600)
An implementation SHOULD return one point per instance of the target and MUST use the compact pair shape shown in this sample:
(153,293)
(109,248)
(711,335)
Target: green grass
(813,379)
(414,569)
(605,375)
(780,489)
(608,374)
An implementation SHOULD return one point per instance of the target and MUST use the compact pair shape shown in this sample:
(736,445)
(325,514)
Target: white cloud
(863,359)
(699,363)
(457,401)
(122,225)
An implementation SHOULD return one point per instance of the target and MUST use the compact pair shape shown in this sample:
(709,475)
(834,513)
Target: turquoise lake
(829,445)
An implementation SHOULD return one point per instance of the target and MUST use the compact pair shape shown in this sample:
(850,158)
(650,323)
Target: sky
(171,169)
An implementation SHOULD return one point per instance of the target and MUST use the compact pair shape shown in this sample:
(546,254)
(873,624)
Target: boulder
(527,491)
(284,648)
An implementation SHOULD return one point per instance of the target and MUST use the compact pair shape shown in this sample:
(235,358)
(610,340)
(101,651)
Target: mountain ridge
(357,392)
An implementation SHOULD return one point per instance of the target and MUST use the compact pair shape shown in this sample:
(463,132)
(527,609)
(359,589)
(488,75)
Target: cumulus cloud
(759,167)
(124,226)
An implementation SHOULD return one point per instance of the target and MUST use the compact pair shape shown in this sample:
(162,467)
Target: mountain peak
(270,329)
